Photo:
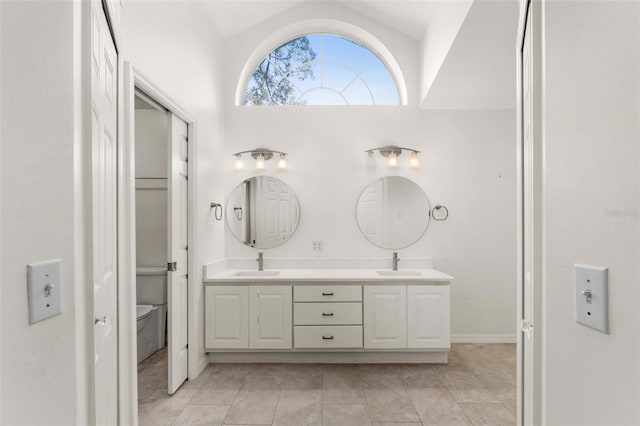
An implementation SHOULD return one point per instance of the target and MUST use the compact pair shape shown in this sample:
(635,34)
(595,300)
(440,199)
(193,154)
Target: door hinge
(172,266)
(526,327)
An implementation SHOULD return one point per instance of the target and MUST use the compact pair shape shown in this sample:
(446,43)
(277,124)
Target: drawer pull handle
(327,337)
(327,294)
(325,314)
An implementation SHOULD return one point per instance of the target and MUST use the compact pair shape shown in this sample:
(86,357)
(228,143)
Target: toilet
(151,309)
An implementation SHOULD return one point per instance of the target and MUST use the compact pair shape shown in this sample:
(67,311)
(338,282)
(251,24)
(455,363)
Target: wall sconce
(392,152)
(261,155)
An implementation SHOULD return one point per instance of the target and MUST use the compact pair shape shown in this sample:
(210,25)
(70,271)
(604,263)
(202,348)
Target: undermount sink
(256,273)
(399,273)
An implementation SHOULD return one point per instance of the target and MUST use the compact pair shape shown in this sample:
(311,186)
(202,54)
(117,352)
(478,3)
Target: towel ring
(217,210)
(437,208)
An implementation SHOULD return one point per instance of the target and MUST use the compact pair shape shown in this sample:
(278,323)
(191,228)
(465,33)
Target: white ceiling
(231,17)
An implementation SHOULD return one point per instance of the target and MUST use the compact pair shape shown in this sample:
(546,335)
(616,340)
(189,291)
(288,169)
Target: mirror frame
(421,234)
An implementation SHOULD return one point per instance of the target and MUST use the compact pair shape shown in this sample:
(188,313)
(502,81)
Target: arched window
(321,69)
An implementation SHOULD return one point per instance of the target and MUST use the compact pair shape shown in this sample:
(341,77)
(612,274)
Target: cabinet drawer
(349,313)
(327,293)
(327,336)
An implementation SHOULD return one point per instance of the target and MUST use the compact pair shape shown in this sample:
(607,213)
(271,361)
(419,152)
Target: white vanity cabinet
(428,317)
(248,317)
(270,317)
(327,316)
(385,316)
(226,317)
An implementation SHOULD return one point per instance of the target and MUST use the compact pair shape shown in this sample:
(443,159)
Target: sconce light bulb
(392,160)
(238,164)
(282,162)
(260,163)
(414,161)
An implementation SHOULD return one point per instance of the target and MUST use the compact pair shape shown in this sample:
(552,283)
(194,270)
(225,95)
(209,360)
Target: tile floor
(477,387)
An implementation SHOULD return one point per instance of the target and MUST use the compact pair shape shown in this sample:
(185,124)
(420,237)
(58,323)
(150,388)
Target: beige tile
(302,376)
(263,376)
(366,369)
(345,414)
(387,405)
(397,424)
(299,407)
(342,385)
(465,387)
(227,376)
(436,406)
(489,414)
(511,404)
(165,409)
(253,407)
(419,376)
(202,415)
(210,396)
(382,381)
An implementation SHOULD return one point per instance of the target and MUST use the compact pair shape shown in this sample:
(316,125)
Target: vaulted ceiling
(477,67)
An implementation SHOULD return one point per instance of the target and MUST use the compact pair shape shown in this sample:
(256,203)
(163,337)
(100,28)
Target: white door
(385,317)
(104,106)
(270,317)
(528,339)
(226,317)
(428,317)
(177,195)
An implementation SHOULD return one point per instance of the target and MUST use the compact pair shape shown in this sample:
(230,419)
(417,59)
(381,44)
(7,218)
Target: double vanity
(327,315)
(327,310)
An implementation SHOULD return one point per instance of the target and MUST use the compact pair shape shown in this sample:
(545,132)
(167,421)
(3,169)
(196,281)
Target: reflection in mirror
(262,212)
(393,212)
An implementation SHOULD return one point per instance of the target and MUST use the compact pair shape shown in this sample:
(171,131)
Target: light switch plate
(43,283)
(592,297)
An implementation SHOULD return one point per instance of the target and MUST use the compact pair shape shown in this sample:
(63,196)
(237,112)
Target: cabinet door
(385,317)
(428,313)
(226,317)
(270,317)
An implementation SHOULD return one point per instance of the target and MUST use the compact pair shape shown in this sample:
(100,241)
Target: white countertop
(414,276)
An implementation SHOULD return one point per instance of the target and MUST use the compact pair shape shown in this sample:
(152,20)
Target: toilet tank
(151,285)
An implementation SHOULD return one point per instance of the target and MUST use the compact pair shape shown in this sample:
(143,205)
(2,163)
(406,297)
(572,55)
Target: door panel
(385,317)
(226,317)
(428,317)
(270,317)
(104,80)
(177,198)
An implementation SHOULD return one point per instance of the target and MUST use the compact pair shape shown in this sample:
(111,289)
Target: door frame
(128,373)
(529,391)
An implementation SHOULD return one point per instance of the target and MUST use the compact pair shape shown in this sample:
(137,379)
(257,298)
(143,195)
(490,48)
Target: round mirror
(262,212)
(393,212)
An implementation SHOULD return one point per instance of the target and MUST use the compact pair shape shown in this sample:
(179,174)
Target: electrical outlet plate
(317,245)
(43,283)
(592,297)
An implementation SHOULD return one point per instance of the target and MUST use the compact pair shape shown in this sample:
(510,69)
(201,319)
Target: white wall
(38,198)
(151,187)
(468,165)
(176,48)
(591,208)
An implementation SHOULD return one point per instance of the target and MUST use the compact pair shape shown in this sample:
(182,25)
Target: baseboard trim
(483,338)
(204,361)
(329,357)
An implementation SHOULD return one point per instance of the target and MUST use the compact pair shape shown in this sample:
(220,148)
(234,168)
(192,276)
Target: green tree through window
(272,80)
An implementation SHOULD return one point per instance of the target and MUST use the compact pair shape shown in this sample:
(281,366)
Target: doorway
(161,233)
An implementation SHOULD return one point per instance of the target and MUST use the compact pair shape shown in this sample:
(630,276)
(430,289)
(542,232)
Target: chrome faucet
(260,261)
(395,261)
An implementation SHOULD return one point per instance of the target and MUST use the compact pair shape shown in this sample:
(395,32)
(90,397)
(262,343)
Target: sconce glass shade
(414,161)
(238,164)
(392,160)
(282,162)
(260,162)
